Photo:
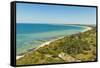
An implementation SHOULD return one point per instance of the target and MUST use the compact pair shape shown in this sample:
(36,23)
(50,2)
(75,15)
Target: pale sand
(48,42)
(44,44)
(87,28)
(17,57)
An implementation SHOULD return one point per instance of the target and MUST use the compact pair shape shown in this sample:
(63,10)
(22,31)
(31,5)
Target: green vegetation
(74,48)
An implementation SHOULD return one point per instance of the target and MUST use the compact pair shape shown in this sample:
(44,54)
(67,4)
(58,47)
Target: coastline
(86,28)
(17,57)
(48,42)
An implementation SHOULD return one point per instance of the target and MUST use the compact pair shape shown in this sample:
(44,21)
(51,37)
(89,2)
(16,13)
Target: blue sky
(54,14)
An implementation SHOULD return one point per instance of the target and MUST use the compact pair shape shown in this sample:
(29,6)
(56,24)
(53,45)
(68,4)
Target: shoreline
(48,42)
(86,28)
(17,57)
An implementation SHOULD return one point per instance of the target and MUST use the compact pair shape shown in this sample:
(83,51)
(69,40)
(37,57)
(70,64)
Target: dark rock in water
(29,50)
(41,40)
(21,54)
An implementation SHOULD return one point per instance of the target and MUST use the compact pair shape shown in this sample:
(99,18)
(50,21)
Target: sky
(54,14)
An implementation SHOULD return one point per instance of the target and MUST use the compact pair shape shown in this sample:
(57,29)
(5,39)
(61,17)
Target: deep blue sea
(29,36)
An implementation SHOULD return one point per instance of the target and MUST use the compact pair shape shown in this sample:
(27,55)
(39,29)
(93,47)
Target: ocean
(29,36)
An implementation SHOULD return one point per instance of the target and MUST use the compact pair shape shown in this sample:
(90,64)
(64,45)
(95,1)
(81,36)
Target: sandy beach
(17,57)
(48,42)
(86,29)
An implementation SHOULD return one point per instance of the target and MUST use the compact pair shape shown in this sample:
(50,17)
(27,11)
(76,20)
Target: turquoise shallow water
(30,36)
